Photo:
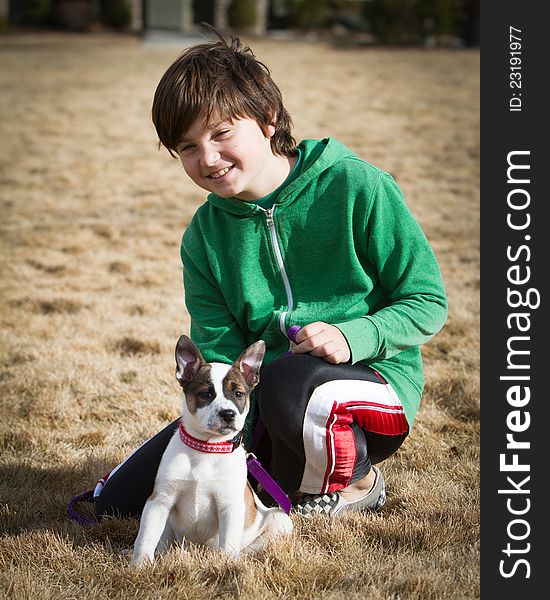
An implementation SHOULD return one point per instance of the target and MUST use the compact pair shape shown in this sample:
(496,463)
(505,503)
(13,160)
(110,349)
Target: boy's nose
(209,157)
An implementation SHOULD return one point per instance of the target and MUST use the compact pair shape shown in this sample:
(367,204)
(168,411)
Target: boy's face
(231,159)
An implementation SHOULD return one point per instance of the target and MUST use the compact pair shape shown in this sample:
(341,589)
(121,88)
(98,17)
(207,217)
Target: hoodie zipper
(276,247)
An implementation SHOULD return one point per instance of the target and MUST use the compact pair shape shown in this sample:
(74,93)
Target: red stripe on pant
(340,442)
(378,418)
(341,450)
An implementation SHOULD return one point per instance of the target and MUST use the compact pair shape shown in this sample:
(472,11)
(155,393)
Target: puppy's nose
(227,415)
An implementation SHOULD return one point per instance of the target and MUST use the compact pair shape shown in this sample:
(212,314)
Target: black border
(504,131)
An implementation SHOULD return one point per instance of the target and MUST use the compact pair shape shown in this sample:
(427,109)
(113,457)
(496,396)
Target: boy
(312,250)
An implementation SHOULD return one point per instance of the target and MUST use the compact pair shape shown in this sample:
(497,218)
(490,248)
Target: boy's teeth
(221,173)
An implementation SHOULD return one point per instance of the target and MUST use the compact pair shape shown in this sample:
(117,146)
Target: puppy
(201,493)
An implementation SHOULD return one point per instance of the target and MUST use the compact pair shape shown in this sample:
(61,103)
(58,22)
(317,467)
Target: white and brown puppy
(201,492)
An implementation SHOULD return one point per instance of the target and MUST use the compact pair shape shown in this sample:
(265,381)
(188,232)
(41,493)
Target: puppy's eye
(239,394)
(206,395)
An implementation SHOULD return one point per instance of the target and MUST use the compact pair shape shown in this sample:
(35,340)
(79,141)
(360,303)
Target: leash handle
(71,511)
(269,484)
(291,334)
(292,331)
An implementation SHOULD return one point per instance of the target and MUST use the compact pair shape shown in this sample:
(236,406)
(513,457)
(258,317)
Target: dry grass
(92,306)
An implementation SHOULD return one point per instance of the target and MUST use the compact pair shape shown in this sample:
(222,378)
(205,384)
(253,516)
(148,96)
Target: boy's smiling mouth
(219,174)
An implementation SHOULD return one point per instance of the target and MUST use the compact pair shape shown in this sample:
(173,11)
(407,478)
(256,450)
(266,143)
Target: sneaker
(332,503)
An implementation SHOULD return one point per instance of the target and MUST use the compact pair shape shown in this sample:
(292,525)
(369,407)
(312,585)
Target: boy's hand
(322,340)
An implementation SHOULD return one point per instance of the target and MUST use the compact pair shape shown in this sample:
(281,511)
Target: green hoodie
(339,246)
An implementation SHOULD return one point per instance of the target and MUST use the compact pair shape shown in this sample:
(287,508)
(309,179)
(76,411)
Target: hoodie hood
(319,155)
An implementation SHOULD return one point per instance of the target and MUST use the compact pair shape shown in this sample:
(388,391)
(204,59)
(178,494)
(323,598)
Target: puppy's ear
(250,361)
(188,360)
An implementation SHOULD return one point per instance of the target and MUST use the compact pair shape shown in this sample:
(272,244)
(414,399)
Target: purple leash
(81,519)
(291,334)
(268,483)
(254,466)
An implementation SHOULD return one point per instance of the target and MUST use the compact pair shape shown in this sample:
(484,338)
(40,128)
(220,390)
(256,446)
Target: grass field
(92,305)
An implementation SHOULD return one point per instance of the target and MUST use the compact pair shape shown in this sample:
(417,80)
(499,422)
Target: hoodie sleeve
(416,307)
(213,328)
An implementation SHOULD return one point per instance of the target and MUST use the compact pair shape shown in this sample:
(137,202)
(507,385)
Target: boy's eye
(188,148)
(223,133)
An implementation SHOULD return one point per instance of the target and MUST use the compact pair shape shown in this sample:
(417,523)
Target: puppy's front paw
(278,522)
(139,560)
(232,552)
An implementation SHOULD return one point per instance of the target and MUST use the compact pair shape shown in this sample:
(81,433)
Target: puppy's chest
(202,488)
(195,512)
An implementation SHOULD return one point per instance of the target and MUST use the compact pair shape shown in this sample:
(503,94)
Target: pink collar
(211,447)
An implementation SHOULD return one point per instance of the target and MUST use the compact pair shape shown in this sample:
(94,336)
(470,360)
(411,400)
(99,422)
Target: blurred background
(441,23)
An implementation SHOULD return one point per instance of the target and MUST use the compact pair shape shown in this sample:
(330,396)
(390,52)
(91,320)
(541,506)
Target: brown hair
(219,79)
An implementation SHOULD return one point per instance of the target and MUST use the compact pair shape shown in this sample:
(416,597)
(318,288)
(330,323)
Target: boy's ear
(250,361)
(188,360)
(270,130)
